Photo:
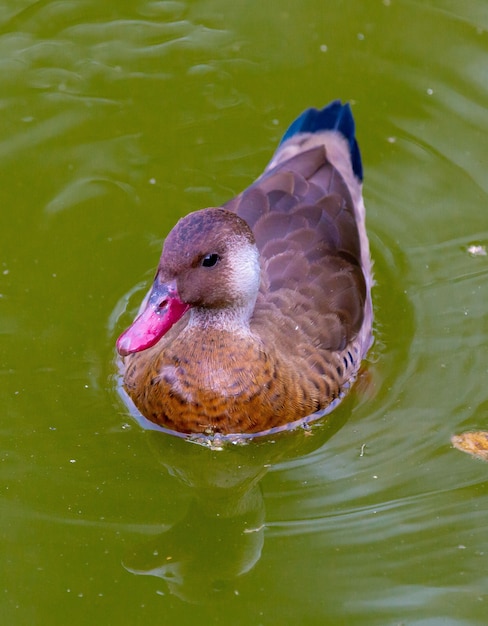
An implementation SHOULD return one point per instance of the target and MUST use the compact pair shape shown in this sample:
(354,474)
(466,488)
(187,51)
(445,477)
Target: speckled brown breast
(230,385)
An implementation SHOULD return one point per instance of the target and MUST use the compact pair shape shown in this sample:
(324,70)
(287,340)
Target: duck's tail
(335,116)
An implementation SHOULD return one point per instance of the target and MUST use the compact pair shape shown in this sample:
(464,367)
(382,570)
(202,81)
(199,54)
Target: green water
(118,117)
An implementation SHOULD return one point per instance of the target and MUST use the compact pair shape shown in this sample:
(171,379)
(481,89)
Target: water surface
(116,119)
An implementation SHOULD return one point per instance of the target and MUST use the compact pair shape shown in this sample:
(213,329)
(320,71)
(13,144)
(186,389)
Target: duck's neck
(230,319)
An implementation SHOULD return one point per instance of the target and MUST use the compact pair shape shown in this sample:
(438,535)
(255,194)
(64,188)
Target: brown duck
(260,312)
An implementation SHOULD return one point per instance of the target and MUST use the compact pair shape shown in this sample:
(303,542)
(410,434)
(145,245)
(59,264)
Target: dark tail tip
(335,116)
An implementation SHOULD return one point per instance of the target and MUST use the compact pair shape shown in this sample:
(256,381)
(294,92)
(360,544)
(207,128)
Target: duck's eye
(209,260)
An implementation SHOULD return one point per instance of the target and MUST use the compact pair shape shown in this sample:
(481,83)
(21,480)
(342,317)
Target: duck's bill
(164,308)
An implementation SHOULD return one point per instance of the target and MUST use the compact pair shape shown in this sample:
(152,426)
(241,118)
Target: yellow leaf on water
(474,443)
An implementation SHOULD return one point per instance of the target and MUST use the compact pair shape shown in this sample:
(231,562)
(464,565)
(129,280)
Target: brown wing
(303,219)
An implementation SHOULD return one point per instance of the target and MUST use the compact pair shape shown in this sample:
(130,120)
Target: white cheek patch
(245,274)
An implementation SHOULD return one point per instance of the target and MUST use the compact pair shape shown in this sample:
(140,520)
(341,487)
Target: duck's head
(209,263)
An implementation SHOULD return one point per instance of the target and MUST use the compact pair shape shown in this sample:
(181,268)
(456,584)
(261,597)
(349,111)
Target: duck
(260,312)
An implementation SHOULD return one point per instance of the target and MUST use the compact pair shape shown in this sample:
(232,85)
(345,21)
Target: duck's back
(307,215)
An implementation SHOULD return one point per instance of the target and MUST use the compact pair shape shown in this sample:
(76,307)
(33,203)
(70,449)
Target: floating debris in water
(474,443)
(476,250)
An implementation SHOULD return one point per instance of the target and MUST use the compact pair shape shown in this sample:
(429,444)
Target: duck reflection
(220,536)
(203,553)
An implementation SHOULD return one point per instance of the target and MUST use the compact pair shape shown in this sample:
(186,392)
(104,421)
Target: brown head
(209,262)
